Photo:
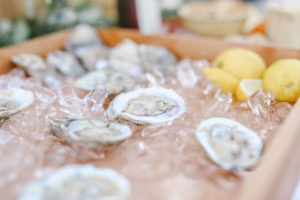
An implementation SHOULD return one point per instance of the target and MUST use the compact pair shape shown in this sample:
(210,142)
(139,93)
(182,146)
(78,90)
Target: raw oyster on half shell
(13,101)
(79,182)
(229,144)
(36,67)
(147,106)
(87,131)
(65,63)
(111,81)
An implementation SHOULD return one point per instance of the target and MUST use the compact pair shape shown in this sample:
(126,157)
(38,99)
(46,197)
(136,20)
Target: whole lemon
(222,79)
(241,63)
(283,78)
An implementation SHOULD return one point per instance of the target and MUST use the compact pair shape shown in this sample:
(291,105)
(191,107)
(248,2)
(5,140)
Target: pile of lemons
(242,72)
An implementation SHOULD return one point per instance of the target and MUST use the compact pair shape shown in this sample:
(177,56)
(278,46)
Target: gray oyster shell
(90,58)
(111,81)
(65,63)
(78,182)
(85,43)
(82,39)
(154,56)
(36,67)
(87,131)
(13,101)
(125,56)
(229,144)
(130,56)
(147,106)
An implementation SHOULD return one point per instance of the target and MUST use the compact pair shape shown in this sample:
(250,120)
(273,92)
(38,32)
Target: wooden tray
(279,170)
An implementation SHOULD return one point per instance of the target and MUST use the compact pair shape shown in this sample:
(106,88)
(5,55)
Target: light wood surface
(276,176)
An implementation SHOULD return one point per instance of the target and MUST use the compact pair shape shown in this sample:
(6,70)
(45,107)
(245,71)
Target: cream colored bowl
(214,18)
(283,23)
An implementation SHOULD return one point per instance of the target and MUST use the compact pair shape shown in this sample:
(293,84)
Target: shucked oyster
(36,67)
(13,101)
(111,81)
(85,43)
(87,131)
(65,63)
(79,182)
(229,144)
(134,57)
(147,106)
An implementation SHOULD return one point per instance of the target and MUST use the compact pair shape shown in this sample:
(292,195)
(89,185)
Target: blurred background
(246,21)
(266,22)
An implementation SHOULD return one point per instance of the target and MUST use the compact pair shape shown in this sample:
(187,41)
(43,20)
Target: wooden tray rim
(277,175)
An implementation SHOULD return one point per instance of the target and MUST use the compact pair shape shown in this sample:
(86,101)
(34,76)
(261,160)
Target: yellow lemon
(241,63)
(283,78)
(222,79)
(248,87)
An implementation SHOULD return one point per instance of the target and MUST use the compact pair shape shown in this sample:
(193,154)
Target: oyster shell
(147,106)
(36,67)
(2,120)
(134,57)
(13,101)
(229,144)
(82,39)
(154,56)
(86,45)
(65,63)
(87,131)
(102,64)
(90,58)
(125,56)
(111,81)
(78,182)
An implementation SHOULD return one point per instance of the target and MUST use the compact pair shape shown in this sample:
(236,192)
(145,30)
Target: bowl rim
(184,13)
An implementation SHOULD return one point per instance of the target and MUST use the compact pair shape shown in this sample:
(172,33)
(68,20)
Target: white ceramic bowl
(214,18)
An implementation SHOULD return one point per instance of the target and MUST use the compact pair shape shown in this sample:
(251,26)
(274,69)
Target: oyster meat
(13,101)
(134,57)
(87,131)
(111,81)
(36,67)
(229,144)
(79,182)
(147,106)
(65,63)
(86,45)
